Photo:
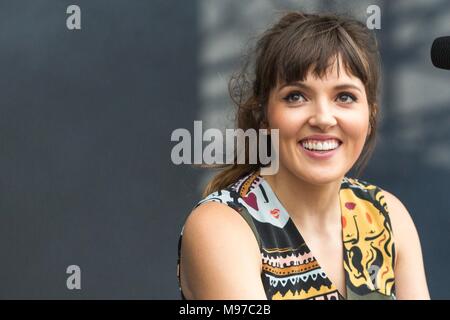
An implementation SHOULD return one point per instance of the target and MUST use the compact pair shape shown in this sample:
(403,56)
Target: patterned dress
(289,268)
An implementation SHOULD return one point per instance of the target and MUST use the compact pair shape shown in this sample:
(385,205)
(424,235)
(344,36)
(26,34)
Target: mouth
(320,149)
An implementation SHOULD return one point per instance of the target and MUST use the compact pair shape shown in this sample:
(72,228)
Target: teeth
(320,145)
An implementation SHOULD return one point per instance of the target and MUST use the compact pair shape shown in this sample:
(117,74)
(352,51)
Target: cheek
(355,127)
(287,121)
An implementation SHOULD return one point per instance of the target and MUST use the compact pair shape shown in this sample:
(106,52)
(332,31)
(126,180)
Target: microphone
(440,53)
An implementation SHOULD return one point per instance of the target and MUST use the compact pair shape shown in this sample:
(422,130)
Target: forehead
(335,74)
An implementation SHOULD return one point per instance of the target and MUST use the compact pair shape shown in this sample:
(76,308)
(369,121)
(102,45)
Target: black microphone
(440,53)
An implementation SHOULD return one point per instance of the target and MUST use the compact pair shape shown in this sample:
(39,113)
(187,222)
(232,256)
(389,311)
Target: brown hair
(297,43)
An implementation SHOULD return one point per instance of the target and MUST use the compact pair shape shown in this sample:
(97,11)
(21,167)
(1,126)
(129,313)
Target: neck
(308,204)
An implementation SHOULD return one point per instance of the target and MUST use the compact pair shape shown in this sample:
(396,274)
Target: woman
(308,231)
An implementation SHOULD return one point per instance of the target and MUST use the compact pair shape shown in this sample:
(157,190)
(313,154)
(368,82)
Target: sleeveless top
(289,268)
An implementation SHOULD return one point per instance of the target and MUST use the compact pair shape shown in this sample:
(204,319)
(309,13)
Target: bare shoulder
(218,221)
(220,256)
(399,215)
(403,226)
(212,214)
(409,268)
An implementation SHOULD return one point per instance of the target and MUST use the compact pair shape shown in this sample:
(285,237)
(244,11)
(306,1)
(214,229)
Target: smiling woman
(308,231)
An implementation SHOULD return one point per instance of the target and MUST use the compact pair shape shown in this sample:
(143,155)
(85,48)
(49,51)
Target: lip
(319,155)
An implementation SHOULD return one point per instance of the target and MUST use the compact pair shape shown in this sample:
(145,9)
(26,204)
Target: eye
(346,97)
(294,97)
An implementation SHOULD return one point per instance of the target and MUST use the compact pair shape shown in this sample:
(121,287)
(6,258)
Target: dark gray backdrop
(86,118)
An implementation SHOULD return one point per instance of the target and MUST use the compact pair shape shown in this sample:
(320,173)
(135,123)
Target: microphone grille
(440,53)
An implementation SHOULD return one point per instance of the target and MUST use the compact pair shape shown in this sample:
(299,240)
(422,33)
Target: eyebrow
(304,86)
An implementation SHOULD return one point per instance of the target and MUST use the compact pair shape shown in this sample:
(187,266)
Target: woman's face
(323,124)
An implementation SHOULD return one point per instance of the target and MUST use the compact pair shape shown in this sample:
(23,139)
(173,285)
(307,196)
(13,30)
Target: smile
(320,149)
(324,145)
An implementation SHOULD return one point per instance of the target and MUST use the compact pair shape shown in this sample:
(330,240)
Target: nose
(322,116)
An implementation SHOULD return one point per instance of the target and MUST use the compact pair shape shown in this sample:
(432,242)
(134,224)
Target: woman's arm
(410,280)
(220,256)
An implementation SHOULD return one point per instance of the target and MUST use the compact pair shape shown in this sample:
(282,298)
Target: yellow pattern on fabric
(366,231)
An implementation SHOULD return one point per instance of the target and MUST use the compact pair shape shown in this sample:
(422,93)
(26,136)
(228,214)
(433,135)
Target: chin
(320,176)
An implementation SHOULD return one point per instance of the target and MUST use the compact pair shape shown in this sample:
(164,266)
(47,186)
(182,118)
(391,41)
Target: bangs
(316,49)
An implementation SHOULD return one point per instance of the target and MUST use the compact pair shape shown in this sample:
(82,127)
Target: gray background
(86,117)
